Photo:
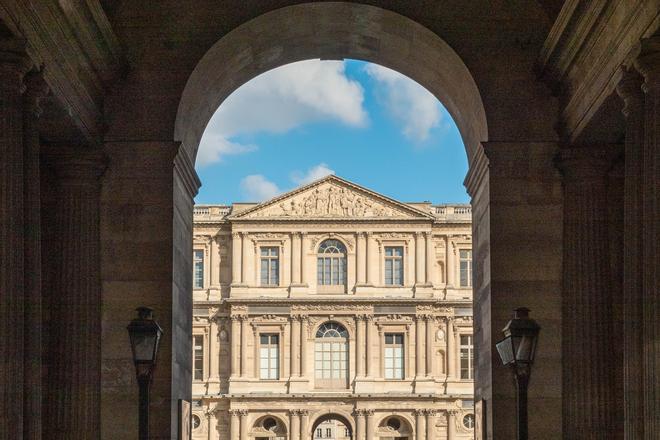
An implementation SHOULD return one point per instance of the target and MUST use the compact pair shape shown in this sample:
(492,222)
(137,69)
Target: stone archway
(329,417)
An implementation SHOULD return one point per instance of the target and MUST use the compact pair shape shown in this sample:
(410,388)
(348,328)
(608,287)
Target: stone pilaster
(303,251)
(360,343)
(361,259)
(304,424)
(295,346)
(630,90)
(214,360)
(588,385)
(420,424)
(420,251)
(244,425)
(429,344)
(372,263)
(33,322)
(244,335)
(236,258)
(74,360)
(296,251)
(304,322)
(234,424)
(419,347)
(431,420)
(429,258)
(294,424)
(212,423)
(649,65)
(451,349)
(359,424)
(369,422)
(368,350)
(13,65)
(235,345)
(451,424)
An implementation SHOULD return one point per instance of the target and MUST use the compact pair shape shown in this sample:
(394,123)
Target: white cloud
(281,100)
(314,173)
(257,188)
(414,107)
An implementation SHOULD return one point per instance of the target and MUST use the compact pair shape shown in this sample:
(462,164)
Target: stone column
(304,424)
(235,345)
(244,334)
(304,320)
(369,345)
(451,263)
(369,414)
(13,65)
(630,90)
(245,263)
(236,258)
(359,424)
(74,360)
(214,350)
(420,250)
(212,423)
(359,345)
(588,389)
(372,262)
(234,424)
(420,424)
(303,251)
(457,357)
(649,65)
(451,348)
(33,321)
(294,424)
(361,258)
(429,345)
(419,347)
(295,346)
(430,257)
(451,424)
(431,420)
(295,257)
(244,425)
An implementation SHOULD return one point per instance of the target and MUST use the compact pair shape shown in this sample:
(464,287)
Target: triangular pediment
(332,198)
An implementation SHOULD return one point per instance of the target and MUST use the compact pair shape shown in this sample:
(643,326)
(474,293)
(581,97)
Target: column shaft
(420,250)
(303,267)
(451,425)
(13,65)
(359,423)
(369,424)
(244,334)
(74,360)
(245,264)
(359,345)
(649,65)
(420,422)
(361,258)
(372,263)
(429,345)
(295,346)
(431,419)
(588,395)
(304,425)
(630,90)
(214,351)
(214,263)
(234,425)
(451,263)
(244,425)
(430,257)
(303,346)
(235,345)
(213,426)
(419,347)
(33,322)
(295,425)
(295,258)
(451,350)
(369,346)
(236,258)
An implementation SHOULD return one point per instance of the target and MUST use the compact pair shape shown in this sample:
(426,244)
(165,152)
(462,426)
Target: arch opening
(333,30)
(337,425)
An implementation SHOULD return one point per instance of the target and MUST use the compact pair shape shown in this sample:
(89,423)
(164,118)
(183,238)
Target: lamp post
(145,334)
(517,350)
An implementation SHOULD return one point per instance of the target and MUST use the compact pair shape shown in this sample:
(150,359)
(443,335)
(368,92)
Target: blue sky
(358,120)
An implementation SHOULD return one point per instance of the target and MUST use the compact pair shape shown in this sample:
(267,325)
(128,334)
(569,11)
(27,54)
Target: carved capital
(431,412)
(648,63)
(419,412)
(630,91)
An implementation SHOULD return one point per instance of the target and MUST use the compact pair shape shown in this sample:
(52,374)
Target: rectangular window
(269,356)
(270,266)
(466,267)
(198,357)
(394,356)
(328,432)
(467,357)
(198,262)
(319,433)
(393,266)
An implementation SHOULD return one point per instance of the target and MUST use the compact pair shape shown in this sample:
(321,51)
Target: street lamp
(517,350)
(145,334)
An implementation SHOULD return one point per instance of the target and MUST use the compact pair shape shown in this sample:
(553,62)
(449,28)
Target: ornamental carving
(331,308)
(330,200)
(314,241)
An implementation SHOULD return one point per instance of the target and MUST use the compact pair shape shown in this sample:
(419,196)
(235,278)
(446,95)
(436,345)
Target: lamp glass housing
(521,336)
(145,335)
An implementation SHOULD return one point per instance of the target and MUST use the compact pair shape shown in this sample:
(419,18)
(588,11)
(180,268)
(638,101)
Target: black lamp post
(517,350)
(145,334)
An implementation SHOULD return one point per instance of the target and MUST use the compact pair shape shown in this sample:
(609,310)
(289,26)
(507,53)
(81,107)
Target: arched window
(331,356)
(331,264)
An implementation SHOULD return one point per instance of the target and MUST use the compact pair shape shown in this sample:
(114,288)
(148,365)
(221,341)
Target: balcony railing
(452,212)
(210,212)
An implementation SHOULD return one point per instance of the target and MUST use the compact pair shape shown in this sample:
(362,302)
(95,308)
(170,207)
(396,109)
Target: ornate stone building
(332,312)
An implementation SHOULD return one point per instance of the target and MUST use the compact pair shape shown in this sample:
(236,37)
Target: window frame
(402,356)
(401,259)
(401,327)
(202,285)
(270,259)
(204,369)
(278,370)
(470,267)
(470,355)
(342,258)
(334,356)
